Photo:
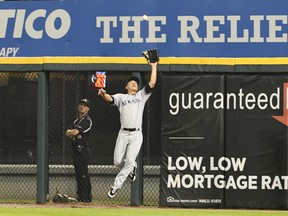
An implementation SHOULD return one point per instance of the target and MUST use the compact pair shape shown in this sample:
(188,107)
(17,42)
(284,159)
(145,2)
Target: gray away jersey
(131,108)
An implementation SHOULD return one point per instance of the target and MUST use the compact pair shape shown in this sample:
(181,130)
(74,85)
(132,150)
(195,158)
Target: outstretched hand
(101,92)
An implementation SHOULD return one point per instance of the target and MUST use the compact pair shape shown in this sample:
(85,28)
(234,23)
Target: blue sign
(184,28)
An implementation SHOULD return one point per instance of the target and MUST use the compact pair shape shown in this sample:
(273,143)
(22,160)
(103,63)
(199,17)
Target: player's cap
(85,101)
(136,79)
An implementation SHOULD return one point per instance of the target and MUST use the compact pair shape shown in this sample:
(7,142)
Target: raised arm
(153,77)
(106,97)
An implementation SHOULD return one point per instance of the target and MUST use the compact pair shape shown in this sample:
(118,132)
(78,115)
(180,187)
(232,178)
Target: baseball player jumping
(130,137)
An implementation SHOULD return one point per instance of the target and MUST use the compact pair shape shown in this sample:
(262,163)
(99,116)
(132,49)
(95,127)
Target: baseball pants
(128,145)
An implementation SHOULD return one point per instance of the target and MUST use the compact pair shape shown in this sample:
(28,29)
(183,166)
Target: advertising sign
(224,141)
(185,28)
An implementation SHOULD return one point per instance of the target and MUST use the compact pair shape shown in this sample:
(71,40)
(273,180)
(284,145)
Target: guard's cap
(136,79)
(85,101)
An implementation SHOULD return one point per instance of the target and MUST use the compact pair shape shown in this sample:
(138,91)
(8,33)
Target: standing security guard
(79,134)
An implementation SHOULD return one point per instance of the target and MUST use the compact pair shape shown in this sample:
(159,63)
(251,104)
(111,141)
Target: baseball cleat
(132,175)
(112,192)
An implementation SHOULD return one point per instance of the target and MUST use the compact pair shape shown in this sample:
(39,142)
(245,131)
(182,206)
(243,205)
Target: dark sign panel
(224,140)
(192,137)
(254,132)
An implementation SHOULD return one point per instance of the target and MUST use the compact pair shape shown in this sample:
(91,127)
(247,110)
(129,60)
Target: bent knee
(118,163)
(129,163)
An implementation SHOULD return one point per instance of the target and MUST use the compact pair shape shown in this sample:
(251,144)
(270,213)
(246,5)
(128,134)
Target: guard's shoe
(112,192)
(132,175)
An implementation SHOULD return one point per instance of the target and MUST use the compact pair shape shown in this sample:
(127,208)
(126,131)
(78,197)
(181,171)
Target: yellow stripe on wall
(94,60)
(203,61)
(21,60)
(261,61)
(141,60)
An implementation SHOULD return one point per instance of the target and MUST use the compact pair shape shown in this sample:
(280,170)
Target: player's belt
(131,129)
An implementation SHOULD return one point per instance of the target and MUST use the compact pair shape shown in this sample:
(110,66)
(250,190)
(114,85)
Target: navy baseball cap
(85,101)
(136,79)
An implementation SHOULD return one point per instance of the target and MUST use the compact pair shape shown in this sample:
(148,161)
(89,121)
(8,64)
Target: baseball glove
(63,198)
(151,55)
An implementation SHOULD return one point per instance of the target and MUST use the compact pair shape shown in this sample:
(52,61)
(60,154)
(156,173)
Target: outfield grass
(126,211)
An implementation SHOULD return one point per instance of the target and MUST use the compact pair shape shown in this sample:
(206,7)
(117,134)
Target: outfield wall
(223,70)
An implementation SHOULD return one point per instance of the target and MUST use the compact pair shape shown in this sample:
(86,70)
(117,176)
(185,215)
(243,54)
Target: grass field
(128,211)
